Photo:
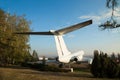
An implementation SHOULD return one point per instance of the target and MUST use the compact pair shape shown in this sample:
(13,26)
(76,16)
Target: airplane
(64,55)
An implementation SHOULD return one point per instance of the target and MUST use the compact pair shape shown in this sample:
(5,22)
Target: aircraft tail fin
(61,47)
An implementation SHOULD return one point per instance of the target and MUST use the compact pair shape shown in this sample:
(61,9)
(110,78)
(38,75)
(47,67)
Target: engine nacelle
(75,59)
(78,58)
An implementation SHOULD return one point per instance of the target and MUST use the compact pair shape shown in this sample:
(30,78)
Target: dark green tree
(113,69)
(113,57)
(95,67)
(118,58)
(35,56)
(106,67)
(104,64)
(43,61)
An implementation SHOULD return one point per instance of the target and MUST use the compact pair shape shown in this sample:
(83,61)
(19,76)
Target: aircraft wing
(73,27)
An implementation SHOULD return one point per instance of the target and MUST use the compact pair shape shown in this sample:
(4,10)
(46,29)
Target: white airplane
(64,55)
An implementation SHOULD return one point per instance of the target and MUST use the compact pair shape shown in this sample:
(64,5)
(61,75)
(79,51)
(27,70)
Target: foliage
(44,61)
(104,66)
(109,24)
(112,70)
(118,58)
(35,56)
(95,67)
(42,67)
(112,3)
(13,48)
(112,23)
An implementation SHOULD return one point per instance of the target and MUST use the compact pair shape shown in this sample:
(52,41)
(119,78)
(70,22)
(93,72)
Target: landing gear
(61,65)
(66,68)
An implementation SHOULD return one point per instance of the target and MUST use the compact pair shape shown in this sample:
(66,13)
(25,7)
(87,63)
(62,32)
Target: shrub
(42,67)
(112,70)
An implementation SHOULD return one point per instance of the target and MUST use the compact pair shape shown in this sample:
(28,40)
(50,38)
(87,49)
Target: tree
(14,48)
(104,66)
(95,67)
(118,57)
(3,44)
(35,56)
(112,70)
(111,4)
(43,61)
(113,57)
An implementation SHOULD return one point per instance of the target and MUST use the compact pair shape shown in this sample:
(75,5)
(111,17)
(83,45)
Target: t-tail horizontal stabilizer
(60,31)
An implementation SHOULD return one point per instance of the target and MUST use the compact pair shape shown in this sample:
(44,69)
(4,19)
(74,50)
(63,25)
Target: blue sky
(56,14)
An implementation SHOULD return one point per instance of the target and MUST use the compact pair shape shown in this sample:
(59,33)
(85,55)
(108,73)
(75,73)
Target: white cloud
(116,30)
(70,36)
(102,16)
(96,18)
(117,9)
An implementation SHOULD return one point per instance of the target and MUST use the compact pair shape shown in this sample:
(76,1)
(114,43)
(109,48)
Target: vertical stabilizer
(61,47)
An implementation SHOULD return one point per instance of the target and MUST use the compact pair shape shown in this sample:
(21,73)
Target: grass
(29,74)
